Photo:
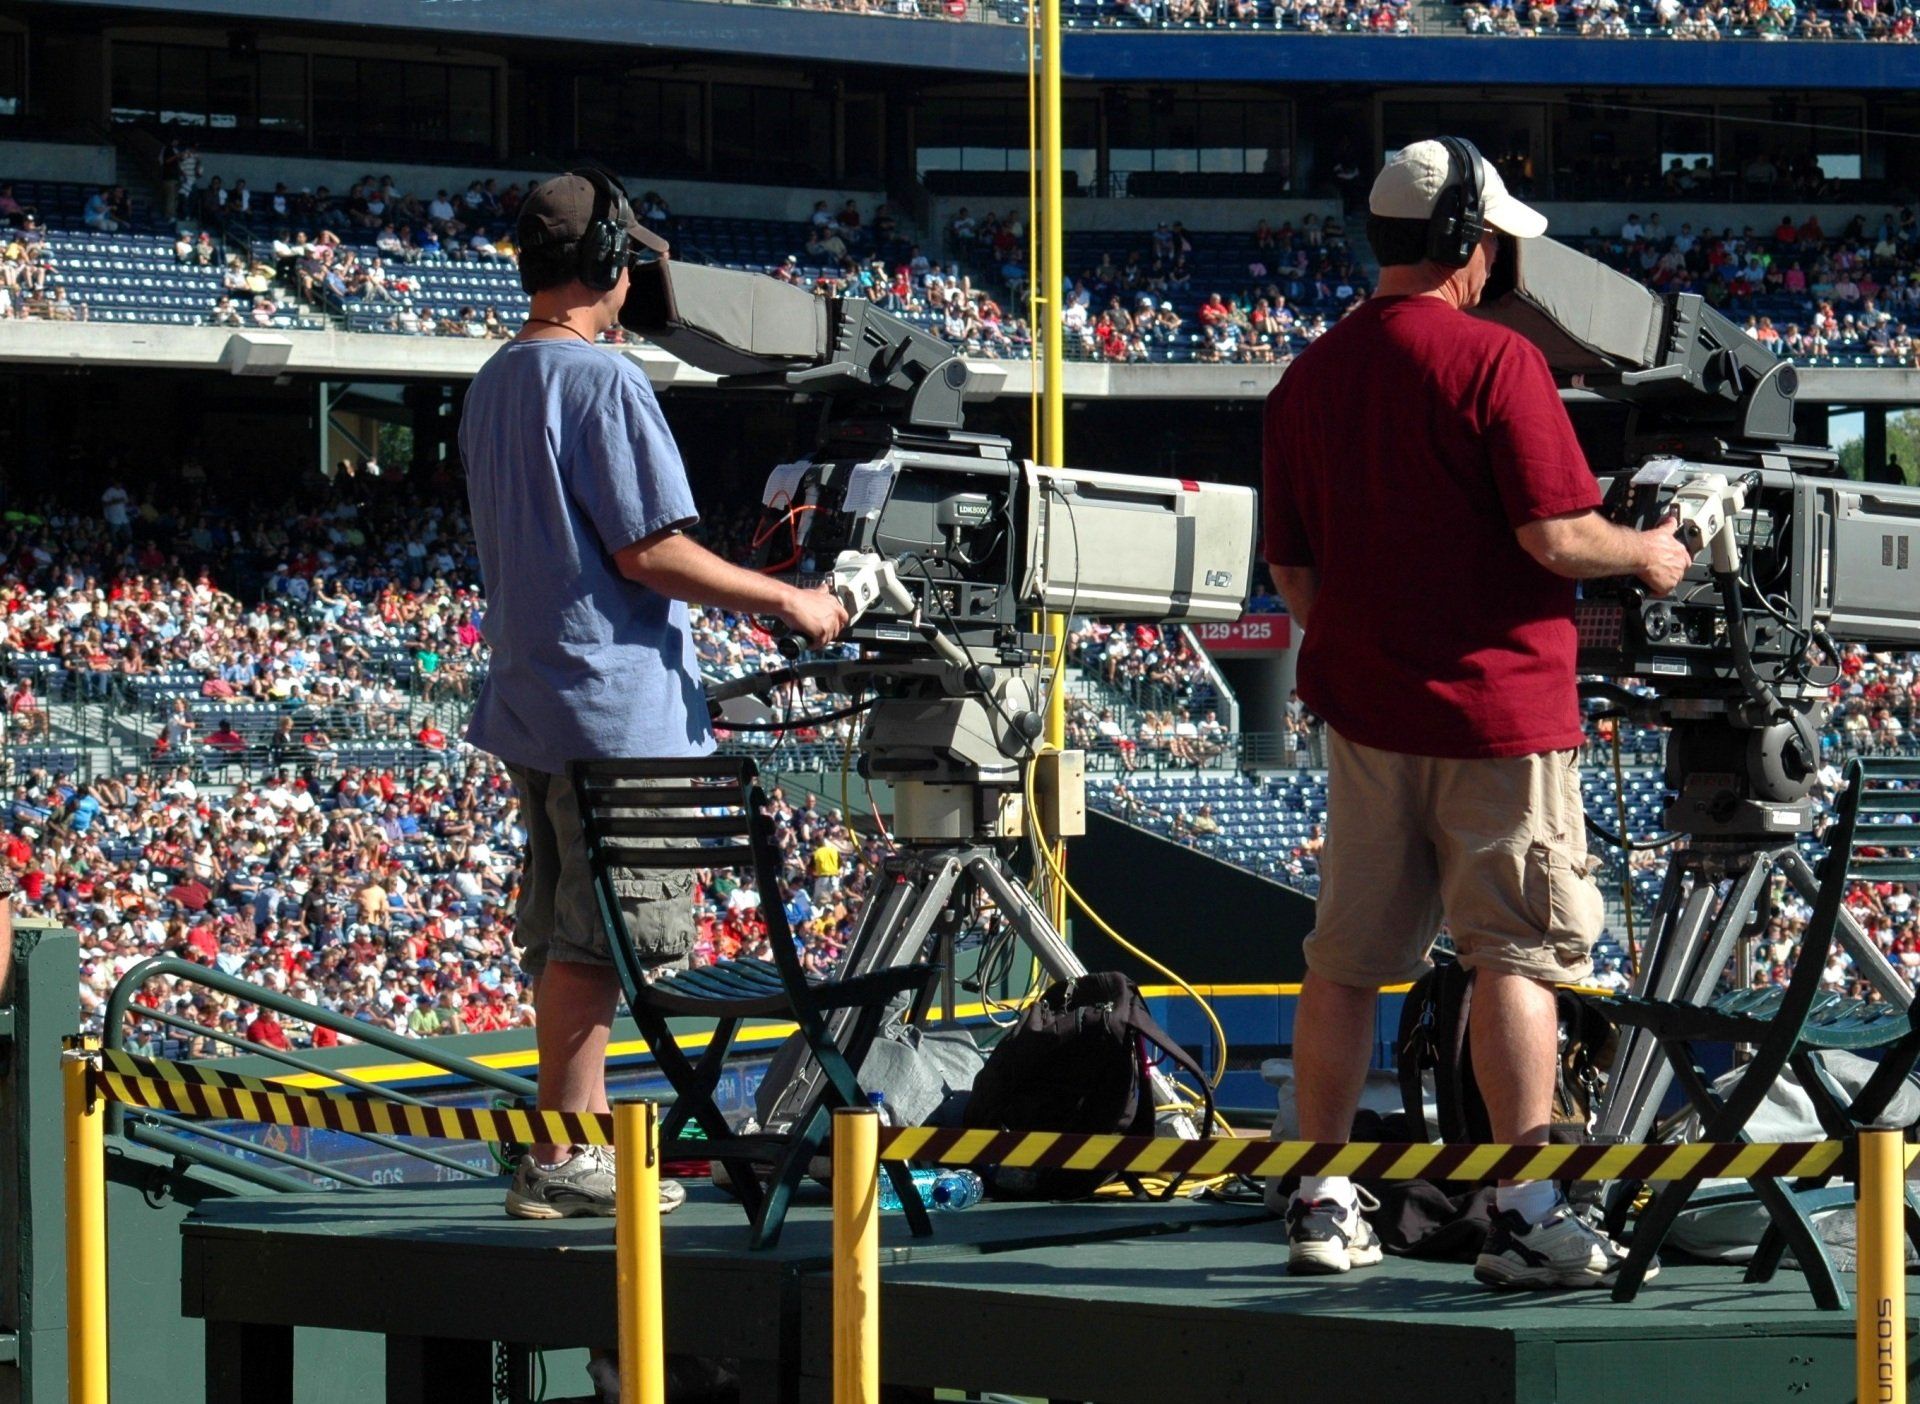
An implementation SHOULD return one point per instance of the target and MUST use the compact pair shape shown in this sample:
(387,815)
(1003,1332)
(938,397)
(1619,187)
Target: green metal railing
(145,1126)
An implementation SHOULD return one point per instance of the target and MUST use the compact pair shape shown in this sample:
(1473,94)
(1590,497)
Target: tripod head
(1739,773)
(953,737)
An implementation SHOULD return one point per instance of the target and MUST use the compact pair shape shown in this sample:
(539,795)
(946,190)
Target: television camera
(939,543)
(1700,429)
(943,548)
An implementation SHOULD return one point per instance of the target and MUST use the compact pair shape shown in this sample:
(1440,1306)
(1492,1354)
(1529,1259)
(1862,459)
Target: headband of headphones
(1459,218)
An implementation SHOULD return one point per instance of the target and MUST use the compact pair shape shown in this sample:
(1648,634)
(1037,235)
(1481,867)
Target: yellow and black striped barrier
(196,1090)
(1877,1160)
(190,1089)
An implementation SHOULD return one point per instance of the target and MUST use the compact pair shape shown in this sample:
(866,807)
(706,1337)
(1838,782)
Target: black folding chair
(709,812)
(1786,1028)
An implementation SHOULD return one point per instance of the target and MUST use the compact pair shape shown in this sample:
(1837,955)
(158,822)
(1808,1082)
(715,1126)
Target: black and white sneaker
(1325,1236)
(1561,1250)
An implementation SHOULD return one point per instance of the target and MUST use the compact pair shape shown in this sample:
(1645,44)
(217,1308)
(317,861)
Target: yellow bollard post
(86,1233)
(856,1256)
(1880,1285)
(643,1350)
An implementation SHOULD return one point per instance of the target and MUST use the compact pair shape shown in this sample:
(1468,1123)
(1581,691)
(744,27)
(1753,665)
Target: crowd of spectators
(1800,290)
(1890,21)
(381,891)
(1144,303)
(1676,19)
(30,284)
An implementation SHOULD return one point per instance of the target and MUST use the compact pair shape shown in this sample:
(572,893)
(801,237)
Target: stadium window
(426,106)
(136,82)
(774,133)
(383,111)
(1837,142)
(638,122)
(12,72)
(232,101)
(470,106)
(183,85)
(336,97)
(861,152)
(283,93)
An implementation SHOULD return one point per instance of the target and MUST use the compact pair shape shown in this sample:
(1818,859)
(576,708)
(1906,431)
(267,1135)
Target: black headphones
(1459,218)
(605,244)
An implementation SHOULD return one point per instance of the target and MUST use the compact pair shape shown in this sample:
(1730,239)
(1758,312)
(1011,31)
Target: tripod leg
(1640,1074)
(893,931)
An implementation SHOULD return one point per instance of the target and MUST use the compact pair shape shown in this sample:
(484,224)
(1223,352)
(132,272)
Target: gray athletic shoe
(579,1185)
(1325,1236)
(1561,1250)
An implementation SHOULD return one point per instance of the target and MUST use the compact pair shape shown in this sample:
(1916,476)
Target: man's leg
(1515,1037)
(1332,1046)
(573,1005)
(1379,909)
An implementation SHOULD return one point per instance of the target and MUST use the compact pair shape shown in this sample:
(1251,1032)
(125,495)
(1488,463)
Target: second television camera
(1791,556)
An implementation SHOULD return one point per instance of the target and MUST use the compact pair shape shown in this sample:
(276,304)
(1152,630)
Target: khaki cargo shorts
(1497,847)
(558,917)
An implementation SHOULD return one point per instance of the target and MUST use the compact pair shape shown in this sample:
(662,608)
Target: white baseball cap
(1409,185)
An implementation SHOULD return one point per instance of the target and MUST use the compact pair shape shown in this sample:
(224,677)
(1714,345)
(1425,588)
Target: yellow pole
(1880,1287)
(1052,448)
(86,1233)
(856,1256)
(643,1351)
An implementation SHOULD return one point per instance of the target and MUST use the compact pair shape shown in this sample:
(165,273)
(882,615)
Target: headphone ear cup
(1443,228)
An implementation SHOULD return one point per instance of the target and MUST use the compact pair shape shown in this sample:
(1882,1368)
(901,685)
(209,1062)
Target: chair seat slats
(615,796)
(672,768)
(633,855)
(621,826)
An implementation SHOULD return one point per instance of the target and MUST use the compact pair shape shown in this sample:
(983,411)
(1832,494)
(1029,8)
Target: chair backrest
(1885,845)
(640,814)
(1810,963)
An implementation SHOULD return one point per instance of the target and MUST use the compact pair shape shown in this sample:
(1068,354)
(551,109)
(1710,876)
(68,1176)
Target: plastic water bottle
(923,1181)
(878,1101)
(954,1190)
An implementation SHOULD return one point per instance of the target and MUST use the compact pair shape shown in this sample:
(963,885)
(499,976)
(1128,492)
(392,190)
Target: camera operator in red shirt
(1428,509)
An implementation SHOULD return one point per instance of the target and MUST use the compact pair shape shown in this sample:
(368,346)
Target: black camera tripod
(1741,806)
(956,756)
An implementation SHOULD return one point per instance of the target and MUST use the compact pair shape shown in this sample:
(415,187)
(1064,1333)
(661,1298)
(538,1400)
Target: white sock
(1532,1200)
(1335,1187)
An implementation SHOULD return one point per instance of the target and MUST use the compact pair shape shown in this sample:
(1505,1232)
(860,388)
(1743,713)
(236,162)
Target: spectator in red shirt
(267,1031)
(1431,572)
(431,736)
(225,738)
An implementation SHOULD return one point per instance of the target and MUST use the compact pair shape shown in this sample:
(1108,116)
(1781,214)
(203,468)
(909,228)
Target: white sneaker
(1326,1236)
(1561,1250)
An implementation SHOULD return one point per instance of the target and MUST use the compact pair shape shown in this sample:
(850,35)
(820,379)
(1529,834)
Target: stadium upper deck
(1168,40)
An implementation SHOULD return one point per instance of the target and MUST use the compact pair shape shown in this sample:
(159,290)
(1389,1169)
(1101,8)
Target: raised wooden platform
(1113,1302)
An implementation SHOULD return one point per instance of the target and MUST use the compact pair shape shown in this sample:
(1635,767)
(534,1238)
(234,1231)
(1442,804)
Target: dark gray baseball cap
(558,211)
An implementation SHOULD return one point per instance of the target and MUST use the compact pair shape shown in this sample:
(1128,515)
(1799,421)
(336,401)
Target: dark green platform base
(1114,1302)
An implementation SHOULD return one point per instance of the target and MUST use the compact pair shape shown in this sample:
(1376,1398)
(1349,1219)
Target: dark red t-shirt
(1403,448)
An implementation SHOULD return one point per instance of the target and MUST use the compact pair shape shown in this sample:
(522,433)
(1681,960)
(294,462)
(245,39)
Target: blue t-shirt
(568,461)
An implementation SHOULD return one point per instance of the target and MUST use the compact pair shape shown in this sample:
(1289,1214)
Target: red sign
(1250,633)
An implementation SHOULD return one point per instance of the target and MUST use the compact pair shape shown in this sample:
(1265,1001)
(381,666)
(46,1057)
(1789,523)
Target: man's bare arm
(681,568)
(1299,586)
(1586,546)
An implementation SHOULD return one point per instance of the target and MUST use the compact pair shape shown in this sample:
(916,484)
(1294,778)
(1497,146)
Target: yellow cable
(1060,876)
